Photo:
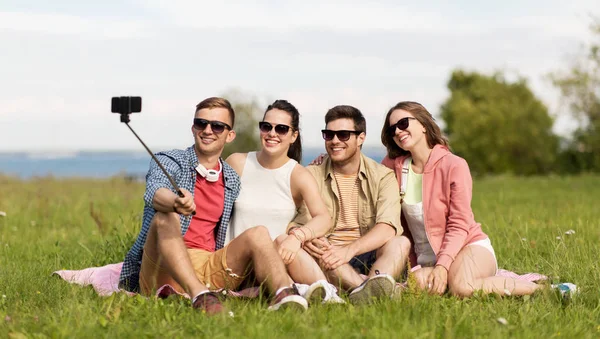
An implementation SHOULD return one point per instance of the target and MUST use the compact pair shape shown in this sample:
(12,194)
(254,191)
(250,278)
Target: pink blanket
(105,281)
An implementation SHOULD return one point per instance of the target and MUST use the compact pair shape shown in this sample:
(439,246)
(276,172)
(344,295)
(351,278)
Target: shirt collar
(361,169)
(232,180)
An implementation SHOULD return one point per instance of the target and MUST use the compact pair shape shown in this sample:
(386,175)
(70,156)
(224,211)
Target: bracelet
(292,229)
(312,232)
(301,229)
(303,234)
(297,236)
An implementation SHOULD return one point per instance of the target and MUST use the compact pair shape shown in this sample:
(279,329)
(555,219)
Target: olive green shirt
(378,195)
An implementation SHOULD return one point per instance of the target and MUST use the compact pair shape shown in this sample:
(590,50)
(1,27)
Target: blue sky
(61,61)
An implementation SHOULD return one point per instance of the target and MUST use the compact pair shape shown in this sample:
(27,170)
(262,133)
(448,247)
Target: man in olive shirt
(363,200)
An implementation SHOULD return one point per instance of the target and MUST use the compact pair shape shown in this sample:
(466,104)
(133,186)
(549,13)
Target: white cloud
(58,72)
(298,15)
(64,24)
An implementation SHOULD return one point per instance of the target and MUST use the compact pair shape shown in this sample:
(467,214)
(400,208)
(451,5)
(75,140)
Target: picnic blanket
(105,281)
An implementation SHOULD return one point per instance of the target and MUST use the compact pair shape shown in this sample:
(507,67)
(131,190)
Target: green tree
(580,90)
(248,112)
(498,126)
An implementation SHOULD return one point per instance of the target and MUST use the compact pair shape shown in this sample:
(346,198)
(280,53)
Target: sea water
(105,164)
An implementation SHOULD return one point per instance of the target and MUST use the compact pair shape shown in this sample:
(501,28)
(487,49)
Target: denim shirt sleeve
(156,179)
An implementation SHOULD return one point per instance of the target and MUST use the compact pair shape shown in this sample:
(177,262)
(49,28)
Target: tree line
(497,125)
(500,126)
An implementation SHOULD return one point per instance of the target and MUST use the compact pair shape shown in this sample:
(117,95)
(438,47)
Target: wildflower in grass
(2,214)
(570,232)
(558,238)
(503,321)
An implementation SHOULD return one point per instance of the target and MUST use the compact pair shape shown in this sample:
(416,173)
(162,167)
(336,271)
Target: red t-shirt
(209,198)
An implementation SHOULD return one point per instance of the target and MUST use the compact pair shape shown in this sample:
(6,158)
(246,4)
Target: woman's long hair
(295,150)
(433,133)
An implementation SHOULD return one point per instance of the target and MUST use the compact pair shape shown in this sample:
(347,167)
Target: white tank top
(265,199)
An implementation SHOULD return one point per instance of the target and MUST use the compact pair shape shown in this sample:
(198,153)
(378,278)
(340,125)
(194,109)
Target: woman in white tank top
(274,185)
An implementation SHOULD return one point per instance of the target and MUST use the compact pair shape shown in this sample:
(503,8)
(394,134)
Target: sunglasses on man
(402,124)
(280,129)
(342,135)
(217,127)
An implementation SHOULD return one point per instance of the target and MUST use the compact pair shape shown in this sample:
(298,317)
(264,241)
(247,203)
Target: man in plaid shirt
(181,242)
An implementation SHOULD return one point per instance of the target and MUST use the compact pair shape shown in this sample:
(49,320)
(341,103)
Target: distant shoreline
(104,164)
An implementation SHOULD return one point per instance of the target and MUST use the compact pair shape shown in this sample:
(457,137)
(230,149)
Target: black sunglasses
(216,126)
(280,129)
(402,124)
(342,135)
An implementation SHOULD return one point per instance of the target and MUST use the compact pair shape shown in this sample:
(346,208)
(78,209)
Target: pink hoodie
(447,190)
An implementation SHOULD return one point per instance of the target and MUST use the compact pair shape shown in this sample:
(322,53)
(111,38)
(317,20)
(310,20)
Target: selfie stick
(125,120)
(179,192)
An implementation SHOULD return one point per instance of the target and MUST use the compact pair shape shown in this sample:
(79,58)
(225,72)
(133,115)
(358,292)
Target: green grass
(49,227)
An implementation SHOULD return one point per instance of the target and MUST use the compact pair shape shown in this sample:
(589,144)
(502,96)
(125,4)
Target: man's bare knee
(256,235)
(397,246)
(165,221)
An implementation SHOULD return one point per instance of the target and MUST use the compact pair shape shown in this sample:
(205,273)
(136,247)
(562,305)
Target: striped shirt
(347,229)
(181,165)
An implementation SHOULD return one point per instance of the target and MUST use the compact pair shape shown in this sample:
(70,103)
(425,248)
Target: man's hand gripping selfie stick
(127,105)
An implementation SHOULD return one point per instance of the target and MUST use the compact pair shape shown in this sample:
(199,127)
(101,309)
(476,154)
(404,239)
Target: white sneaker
(378,286)
(288,298)
(302,288)
(332,296)
(316,293)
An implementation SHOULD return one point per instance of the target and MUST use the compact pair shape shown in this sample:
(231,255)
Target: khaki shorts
(210,267)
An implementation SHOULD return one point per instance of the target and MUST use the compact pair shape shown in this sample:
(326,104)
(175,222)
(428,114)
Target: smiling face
(411,137)
(339,151)
(207,142)
(273,143)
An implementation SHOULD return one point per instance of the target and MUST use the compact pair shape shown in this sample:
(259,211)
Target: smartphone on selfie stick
(127,105)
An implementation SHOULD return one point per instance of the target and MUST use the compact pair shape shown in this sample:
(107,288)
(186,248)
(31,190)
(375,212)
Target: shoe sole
(291,302)
(316,294)
(376,287)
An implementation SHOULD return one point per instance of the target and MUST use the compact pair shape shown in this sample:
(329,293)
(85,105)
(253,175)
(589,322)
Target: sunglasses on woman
(280,129)
(216,126)
(402,124)
(342,135)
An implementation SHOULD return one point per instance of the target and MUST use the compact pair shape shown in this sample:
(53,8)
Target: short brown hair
(433,133)
(216,102)
(347,112)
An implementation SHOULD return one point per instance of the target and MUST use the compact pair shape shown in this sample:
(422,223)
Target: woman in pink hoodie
(436,187)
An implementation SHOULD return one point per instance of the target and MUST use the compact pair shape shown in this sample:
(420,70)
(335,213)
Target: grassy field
(56,224)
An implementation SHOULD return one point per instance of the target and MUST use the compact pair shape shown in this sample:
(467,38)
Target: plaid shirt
(181,165)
